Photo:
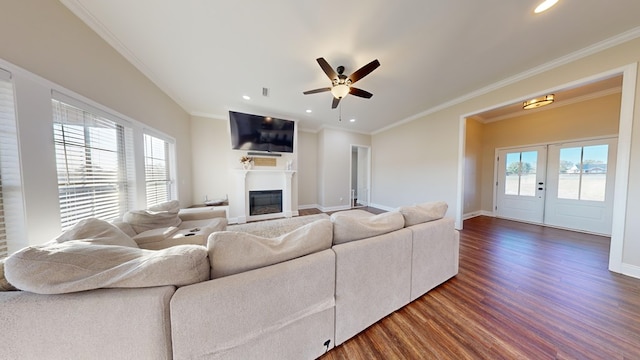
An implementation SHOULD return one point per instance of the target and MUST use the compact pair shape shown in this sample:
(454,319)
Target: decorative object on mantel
(247,162)
(258,161)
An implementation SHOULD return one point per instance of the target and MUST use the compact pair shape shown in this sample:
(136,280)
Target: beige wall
(416,162)
(334,172)
(45,39)
(596,117)
(410,162)
(307,169)
(211,154)
(473,167)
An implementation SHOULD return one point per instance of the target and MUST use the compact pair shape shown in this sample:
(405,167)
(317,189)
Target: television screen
(260,133)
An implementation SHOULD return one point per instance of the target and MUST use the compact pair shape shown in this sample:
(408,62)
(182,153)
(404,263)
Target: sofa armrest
(201,213)
(97,324)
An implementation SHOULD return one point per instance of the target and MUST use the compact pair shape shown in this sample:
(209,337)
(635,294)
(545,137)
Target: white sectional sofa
(292,290)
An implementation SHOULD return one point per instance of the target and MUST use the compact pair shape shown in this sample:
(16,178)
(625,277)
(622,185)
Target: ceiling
(207,54)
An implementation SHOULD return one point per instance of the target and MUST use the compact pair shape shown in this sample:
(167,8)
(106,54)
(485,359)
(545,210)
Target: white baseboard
(383,207)
(334,208)
(630,270)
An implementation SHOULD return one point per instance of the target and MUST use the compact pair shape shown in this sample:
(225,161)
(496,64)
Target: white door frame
(627,104)
(368,172)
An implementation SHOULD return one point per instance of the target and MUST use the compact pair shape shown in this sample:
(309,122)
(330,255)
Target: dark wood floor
(523,292)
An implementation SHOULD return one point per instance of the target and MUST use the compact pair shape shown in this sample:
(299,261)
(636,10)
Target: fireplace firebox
(265,202)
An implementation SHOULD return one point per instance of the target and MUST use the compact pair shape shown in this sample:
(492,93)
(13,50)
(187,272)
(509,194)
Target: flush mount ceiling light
(538,102)
(544,6)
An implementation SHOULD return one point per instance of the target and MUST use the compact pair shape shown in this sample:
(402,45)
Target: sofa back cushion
(352,225)
(233,252)
(424,212)
(74,265)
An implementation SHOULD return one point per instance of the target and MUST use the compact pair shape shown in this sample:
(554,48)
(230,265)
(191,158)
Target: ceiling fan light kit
(538,102)
(341,84)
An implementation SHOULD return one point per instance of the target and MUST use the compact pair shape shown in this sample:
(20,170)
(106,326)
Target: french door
(568,185)
(580,185)
(520,185)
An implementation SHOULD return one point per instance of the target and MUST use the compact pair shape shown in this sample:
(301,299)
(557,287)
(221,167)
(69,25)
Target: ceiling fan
(341,84)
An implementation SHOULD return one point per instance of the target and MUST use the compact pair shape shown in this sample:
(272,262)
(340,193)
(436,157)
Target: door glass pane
(594,172)
(528,173)
(512,177)
(520,173)
(569,176)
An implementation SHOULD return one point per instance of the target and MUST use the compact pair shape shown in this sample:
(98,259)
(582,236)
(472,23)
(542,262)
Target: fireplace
(265,202)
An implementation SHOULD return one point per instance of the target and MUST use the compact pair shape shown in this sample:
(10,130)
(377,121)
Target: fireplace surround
(260,180)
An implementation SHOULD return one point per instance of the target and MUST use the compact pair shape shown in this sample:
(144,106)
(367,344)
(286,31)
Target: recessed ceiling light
(308,111)
(545,5)
(246,97)
(352,120)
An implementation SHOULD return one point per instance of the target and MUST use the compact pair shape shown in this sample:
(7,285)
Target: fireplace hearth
(263,202)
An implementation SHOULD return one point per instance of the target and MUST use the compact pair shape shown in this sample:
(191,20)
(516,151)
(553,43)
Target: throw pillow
(58,268)
(143,220)
(349,228)
(172,206)
(98,232)
(235,252)
(424,212)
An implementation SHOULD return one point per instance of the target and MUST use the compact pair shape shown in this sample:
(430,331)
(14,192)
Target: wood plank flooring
(523,292)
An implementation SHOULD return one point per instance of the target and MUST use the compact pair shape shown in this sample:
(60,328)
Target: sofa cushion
(169,206)
(125,227)
(356,226)
(58,268)
(235,252)
(424,212)
(4,283)
(154,235)
(159,216)
(98,232)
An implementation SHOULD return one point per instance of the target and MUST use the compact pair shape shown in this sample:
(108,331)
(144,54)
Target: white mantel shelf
(264,179)
(245,171)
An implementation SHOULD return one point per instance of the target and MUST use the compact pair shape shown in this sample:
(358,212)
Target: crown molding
(576,55)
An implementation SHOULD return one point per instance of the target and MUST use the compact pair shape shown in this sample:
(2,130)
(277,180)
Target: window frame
(170,169)
(125,163)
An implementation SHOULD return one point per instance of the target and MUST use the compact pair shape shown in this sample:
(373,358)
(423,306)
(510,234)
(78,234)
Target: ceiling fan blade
(327,68)
(335,103)
(315,91)
(360,93)
(364,71)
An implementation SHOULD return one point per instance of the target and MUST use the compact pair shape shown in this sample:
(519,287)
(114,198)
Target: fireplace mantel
(264,179)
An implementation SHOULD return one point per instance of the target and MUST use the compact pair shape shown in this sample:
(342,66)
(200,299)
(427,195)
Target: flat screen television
(261,133)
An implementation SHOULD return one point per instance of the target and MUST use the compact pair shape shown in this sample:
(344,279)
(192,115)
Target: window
(12,229)
(156,170)
(92,162)
(583,173)
(521,173)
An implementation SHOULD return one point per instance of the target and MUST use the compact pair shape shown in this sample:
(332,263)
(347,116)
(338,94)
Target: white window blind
(91,158)
(11,200)
(156,169)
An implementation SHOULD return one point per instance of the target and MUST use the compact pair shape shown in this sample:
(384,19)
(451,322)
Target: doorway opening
(360,178)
